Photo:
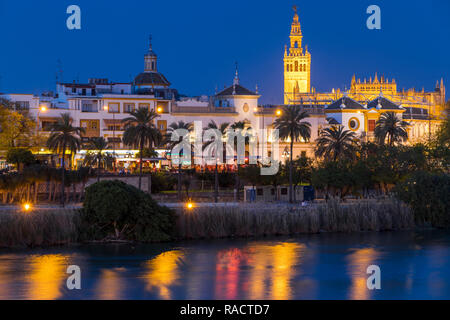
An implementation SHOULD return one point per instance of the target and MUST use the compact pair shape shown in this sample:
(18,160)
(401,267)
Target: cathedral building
(359,108)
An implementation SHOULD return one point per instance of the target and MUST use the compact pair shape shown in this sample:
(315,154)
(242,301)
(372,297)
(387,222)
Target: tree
(333,177)
(336,143)
(97,156)
(15,127)
(390,126)
(291,125)
(140,131)
(176,133)
(63,137)
(302,169)
(20,156)
(443,134)
(212,148)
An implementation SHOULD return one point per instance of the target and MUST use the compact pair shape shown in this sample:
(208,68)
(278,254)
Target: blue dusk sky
(198,42)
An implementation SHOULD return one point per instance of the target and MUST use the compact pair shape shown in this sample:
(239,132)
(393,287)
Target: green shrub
(428,195)
(163,181)
(20,156)
(116,210)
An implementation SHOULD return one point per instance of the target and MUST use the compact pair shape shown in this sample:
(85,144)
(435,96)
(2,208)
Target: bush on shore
(428,195)
(119,211)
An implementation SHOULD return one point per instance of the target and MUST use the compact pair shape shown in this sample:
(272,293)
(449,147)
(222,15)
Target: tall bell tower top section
(296,36)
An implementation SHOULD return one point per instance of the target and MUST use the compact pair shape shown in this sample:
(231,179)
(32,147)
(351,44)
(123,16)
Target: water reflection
(227,273)
(163,272)
(359,260)
(6,269)
(260,271)
(46,276)
(318,266)
(111,284)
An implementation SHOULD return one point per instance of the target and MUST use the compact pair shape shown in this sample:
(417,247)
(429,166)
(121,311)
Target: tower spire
(150,58)
(236,75)
(296,35)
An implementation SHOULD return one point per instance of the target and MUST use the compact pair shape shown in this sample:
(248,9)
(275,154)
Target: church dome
(151,78)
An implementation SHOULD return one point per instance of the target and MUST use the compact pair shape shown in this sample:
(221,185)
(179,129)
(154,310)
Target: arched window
(287,68)
(296,65)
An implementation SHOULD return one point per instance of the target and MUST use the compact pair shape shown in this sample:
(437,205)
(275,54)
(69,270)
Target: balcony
(208,109)
(89,108)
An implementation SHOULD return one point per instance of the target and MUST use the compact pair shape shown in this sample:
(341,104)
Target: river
(413,265)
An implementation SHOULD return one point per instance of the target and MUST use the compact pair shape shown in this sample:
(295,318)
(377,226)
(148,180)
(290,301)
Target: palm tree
(211,148)
(174,130)
(239,127)
(63,137)
(391,126)
(101,159)
(140,131)
(291,125)
(336,143)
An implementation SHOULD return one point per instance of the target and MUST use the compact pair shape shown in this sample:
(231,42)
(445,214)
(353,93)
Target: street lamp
(278,112)
(159,110)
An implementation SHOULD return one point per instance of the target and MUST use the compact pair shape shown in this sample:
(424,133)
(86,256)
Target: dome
(151,78)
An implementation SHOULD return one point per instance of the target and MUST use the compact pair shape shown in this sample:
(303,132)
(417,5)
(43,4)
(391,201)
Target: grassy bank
(38,228)
(264,220)
(57,226)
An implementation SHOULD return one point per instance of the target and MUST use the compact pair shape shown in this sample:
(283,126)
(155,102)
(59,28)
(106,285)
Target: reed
(48,227)
(270,219)
(38,228)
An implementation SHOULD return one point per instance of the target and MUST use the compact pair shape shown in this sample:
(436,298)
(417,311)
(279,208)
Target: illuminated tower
(297,65)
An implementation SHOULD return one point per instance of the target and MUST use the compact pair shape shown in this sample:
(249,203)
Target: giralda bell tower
(297,65)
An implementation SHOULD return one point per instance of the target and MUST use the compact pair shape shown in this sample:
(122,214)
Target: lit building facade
(99,106)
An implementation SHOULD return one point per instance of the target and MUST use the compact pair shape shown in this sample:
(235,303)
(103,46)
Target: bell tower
(297,65)
(150,58)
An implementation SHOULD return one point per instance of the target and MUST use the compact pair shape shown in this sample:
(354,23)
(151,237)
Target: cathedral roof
(236,89)
(151,78)
(345,103)
(383,103)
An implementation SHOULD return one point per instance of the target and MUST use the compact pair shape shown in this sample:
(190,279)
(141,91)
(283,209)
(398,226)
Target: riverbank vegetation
(140,219)
(19,228)
(265,220)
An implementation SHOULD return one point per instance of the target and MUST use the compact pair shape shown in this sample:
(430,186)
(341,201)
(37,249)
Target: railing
(89,109)
(208,109)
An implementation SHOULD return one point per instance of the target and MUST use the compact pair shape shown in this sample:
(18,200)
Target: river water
(413,265)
